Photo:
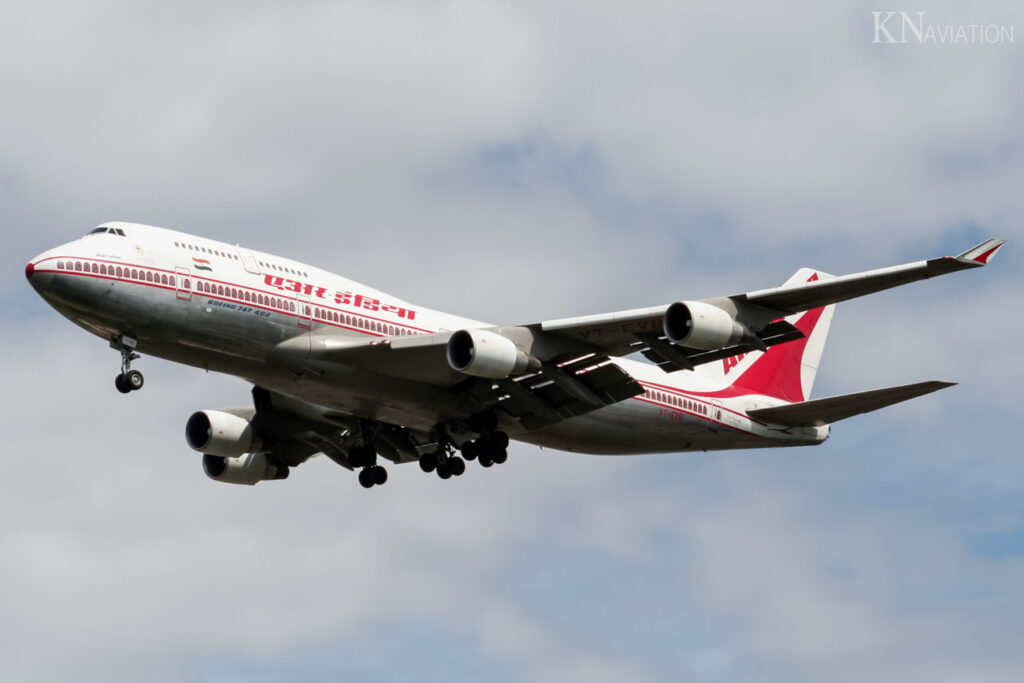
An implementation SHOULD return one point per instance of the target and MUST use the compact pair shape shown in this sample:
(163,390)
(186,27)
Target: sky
(514,162)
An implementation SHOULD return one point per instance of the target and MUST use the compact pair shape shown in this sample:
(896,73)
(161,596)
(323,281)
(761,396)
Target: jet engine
(247,469)
(215,432)
(697,325)
(487,354)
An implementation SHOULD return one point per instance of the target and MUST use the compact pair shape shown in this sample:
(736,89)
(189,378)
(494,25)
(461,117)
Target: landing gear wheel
(379,474)
(499,456)
(457,466)
(366,478)
(470,450)
(500,440)
(485,460)
(427,462)
(133,380)
(444,471)
(128,380)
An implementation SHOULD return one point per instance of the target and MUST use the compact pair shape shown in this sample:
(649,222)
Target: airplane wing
(294,430)
(567,369)
(760,313)
(563,387)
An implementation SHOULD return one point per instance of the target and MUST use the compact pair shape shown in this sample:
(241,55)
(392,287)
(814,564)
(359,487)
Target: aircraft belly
(637,427)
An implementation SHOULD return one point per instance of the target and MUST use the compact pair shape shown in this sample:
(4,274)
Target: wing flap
(824,411)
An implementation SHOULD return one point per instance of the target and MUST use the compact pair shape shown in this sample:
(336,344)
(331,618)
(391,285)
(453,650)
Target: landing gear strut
(129,380)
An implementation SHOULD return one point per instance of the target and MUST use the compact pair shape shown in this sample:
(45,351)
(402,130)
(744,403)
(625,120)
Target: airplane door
(715,415)
(248,260)
(183,283)
(305,312)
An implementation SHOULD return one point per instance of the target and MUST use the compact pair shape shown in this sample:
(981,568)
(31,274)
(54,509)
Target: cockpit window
(103,229)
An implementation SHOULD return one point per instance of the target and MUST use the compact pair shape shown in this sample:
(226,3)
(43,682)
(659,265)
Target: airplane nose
(29,269)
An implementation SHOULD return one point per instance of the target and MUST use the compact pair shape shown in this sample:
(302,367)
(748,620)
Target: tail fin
(786,371)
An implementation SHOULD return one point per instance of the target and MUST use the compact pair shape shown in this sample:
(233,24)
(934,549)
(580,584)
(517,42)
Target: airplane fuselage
(226,309)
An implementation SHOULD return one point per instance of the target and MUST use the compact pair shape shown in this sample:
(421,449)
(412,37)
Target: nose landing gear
(129,380)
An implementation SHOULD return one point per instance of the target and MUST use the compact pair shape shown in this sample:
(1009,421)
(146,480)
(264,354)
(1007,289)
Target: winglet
(982,253)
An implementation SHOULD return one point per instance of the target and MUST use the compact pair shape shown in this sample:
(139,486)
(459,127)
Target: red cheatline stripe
(229,284)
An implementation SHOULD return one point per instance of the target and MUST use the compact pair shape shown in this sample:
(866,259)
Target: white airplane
(345,370)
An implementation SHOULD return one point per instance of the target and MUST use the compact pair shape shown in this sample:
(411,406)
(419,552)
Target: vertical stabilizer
(786,371)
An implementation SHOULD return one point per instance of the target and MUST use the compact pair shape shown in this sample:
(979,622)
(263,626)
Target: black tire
(485,461)
(134,380)
(470,449)
(457,466)
(121,384)
(440,457)
(366,478)
(500,440)
(380,475)
(444,472)
(499,456)
(427,462)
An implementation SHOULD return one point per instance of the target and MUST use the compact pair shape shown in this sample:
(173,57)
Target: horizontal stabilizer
(828,410)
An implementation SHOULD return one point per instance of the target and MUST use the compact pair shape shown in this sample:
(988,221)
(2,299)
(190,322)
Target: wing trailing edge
(825,411)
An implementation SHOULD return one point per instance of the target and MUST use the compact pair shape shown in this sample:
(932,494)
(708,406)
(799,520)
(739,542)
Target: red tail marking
(777,372)
(987,255)
(731,362)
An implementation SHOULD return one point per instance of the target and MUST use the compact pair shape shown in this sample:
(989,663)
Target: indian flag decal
(202,264)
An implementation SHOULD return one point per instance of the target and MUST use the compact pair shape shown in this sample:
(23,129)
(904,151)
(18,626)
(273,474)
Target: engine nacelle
(247,469)
(215,432)
(697,325)
(488,354)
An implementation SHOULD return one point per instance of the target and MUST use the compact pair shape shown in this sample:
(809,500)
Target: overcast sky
(511,162)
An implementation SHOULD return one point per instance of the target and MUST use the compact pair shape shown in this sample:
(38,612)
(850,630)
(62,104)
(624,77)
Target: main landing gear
(129,380)
(371,473)
(488,450)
